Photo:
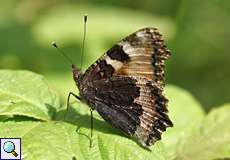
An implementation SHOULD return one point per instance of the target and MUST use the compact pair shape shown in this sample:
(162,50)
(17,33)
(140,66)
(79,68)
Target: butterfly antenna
(63,53)
(83,41)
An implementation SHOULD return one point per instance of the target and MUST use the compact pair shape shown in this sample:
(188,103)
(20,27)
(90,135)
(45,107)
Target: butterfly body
(125,86)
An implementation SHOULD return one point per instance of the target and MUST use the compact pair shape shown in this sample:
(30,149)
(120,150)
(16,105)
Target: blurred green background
(197,33)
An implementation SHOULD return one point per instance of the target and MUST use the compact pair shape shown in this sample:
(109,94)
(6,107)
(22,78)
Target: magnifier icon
(9,147)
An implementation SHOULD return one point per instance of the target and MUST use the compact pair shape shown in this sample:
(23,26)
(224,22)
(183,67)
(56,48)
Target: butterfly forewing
(126,85)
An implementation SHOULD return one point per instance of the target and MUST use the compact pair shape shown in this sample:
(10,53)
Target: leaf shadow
(81,120)
(52,111)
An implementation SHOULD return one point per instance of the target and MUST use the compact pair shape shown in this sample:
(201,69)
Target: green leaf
(212,140)
(182,109)
(59,140)
(27,94)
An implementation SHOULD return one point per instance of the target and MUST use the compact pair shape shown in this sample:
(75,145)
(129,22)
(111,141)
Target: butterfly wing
(126,84)
(140,54)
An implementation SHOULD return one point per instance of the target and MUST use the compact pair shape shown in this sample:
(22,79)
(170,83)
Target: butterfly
(125,86)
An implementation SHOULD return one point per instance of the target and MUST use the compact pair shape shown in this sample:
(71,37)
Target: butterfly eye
(76,73)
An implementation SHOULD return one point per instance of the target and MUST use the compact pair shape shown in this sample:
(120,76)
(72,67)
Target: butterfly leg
(78,131)
(68,99)
(91,129)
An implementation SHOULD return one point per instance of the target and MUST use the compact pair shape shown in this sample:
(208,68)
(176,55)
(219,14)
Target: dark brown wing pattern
(126,85)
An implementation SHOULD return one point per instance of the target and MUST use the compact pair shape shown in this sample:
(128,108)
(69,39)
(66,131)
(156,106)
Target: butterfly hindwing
(118,109)
(126,85)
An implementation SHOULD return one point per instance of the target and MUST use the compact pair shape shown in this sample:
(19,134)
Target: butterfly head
(76,73)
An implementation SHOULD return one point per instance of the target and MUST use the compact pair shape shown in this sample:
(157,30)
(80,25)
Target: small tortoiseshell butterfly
(125,86)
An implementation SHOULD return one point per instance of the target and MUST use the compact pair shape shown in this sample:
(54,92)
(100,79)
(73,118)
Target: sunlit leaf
(186,114)
(27,94)
(212,140)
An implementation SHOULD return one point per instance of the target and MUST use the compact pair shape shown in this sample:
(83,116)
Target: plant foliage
(31,110)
